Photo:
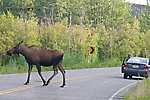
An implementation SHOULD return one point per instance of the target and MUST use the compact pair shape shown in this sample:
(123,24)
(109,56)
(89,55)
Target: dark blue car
(136,66)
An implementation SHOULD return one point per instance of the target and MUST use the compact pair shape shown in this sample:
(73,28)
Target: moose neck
(24,50)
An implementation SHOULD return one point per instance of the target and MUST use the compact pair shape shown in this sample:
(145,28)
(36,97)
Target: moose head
(14,50)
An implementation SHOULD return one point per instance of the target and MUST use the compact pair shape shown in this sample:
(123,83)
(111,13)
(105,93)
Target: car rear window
(137,60)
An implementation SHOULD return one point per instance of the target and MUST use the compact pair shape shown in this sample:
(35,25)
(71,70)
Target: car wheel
(146,76)
(122,69)
(125,76)
(130,76)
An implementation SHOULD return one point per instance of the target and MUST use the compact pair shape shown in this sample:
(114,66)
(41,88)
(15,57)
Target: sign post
(92,51)
(91,58)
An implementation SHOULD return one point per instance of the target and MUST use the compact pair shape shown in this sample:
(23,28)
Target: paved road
(84,84)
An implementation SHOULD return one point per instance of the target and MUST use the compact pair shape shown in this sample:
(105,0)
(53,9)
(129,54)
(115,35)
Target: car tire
(125,76)
(130,76)
(122,69)
(146,76)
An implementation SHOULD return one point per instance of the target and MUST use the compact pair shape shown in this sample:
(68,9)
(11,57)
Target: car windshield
(137,60)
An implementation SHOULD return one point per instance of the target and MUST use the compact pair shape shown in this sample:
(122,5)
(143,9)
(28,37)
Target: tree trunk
(74,40)
(52,18)
(110,47)
(145,53)
(70,32)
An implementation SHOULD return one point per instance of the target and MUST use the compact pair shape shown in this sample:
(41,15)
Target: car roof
(138,60)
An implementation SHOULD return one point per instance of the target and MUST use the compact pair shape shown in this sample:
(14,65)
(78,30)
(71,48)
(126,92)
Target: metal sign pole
(91,58)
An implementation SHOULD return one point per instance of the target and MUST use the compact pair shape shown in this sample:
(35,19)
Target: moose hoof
(62,85)
(44,84)
(47,83)
(26,83)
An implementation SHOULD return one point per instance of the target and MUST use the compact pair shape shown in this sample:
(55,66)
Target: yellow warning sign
(92,50)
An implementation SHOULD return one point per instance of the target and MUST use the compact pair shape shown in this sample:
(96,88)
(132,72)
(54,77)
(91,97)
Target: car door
(123,63)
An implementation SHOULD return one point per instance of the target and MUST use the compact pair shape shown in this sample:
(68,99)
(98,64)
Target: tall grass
(70,61)
(14,65)
(140,92)
(76,61)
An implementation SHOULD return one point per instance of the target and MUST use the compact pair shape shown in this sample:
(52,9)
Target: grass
(70,61)
(77,62)
(15,65)
(140,92)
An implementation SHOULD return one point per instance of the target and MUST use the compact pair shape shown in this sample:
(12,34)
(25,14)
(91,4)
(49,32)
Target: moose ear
(20,42)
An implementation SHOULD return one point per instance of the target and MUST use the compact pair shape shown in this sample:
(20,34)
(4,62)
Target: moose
(34,55)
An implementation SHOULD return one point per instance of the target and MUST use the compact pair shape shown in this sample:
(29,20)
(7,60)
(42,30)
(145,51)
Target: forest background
(115,28)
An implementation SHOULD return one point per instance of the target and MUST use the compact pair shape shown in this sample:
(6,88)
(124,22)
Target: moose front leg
(39,71)
(29,73)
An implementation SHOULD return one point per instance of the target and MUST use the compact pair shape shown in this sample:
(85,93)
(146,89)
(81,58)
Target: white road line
(111,98)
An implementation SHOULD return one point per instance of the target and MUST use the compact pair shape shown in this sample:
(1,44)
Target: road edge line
(111,98)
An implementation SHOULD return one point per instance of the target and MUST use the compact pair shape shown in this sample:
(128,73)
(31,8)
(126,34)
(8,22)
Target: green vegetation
(70,61)
(72,26)
(140,92)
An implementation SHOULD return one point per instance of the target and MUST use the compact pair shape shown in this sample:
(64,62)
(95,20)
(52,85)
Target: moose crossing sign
(92,50)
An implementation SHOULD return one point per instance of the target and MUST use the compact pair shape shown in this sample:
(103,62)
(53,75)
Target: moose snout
(9,53)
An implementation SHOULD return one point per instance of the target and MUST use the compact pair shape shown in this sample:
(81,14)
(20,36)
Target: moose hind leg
(39,71)
(63,73)
(29,73)
(55,72)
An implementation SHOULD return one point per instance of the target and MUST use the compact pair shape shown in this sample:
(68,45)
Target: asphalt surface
(83,84)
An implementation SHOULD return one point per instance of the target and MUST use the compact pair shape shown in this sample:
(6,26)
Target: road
(83,84)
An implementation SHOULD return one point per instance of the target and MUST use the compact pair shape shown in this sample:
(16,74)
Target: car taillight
(125,65)
(146,67)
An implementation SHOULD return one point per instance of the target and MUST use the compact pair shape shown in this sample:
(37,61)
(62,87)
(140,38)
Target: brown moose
(36,56)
